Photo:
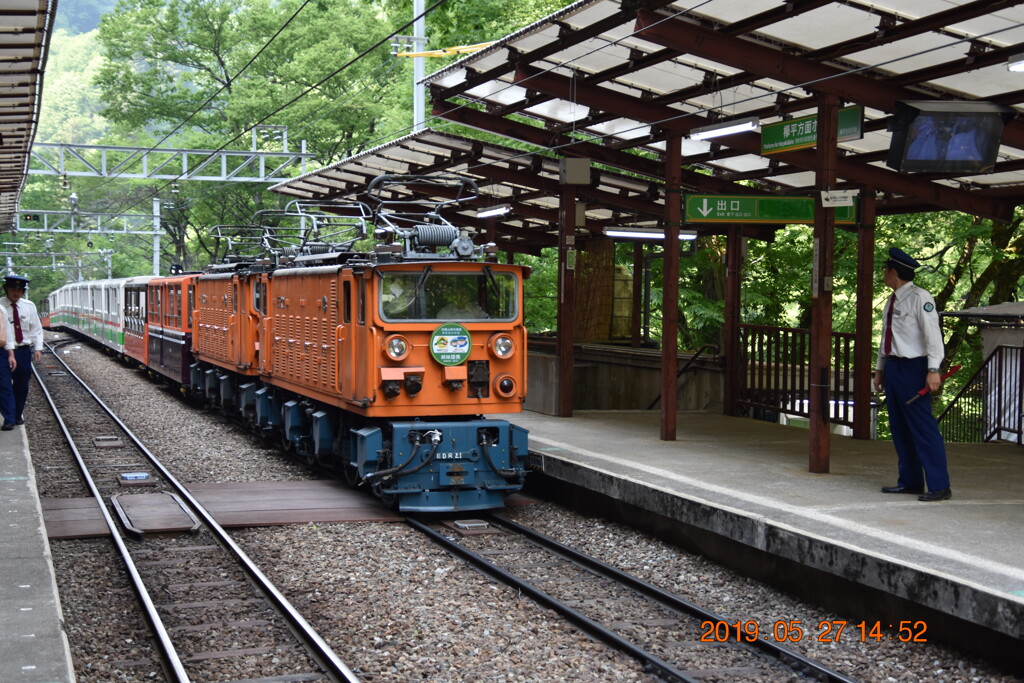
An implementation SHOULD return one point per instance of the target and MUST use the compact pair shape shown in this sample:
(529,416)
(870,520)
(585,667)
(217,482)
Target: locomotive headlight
(505,386)
(397,347)
(502,345)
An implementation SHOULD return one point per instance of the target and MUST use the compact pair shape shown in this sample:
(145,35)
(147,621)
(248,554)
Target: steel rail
(671,601)
(650,661)
(313,641)
(176,669)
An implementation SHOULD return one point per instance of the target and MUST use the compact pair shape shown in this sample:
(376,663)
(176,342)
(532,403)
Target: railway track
(674,639)
(211,611)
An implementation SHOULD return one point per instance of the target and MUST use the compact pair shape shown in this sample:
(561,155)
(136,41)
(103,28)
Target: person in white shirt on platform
(908,361)
(7,365)
(25,339)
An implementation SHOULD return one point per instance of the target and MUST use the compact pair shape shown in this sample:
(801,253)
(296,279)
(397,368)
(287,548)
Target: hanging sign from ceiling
(786,136)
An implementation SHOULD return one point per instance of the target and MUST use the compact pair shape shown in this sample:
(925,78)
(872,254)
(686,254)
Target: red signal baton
(953,369)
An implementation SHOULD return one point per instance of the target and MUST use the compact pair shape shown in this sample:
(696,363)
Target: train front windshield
(449,296)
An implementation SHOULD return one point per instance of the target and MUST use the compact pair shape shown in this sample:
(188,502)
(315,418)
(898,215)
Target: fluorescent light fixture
(724,128)
(1015,63)
(499,210)
(646,233)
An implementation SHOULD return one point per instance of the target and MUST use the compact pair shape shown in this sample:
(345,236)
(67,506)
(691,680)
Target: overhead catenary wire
(231,80)
(594,137)
(314,87)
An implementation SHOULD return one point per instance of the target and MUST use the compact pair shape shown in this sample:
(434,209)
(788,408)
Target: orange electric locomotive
(378,363)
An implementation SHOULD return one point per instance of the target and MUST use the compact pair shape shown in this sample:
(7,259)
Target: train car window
(234,298)
(361,303)
(346,301)
(154,309)
(177,305)
(449,296)
(191,293)
(169,307)
(259,297)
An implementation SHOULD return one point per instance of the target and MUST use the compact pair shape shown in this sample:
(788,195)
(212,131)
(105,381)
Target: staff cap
(902,258)
(16,280)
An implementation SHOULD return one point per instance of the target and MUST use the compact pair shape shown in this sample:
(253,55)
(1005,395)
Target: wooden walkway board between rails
(233,504)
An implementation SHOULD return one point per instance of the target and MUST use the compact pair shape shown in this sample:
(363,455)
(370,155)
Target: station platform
(747,482)
(33,645)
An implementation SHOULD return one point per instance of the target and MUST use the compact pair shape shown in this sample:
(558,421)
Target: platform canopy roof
(611,80)
(527,182)
(25,29)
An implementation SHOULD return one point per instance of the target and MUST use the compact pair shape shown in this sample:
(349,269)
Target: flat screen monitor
(946,137)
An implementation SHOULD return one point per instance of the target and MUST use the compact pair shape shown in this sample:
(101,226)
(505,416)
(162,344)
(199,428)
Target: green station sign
(726,208)
(786,136)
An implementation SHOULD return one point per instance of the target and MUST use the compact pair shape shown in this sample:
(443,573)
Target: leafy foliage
(182,68)
(72,112)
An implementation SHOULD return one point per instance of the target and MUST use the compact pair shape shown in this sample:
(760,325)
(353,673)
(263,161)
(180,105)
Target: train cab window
(346,302)
(191,306)
(234,298)
(449,296)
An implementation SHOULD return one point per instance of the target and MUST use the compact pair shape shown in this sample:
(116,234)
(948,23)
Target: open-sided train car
(170,302)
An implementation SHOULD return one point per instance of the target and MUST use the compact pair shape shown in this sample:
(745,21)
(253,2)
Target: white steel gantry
(106,161)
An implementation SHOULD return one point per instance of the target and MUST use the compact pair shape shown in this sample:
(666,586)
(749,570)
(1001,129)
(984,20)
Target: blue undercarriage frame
(438,466)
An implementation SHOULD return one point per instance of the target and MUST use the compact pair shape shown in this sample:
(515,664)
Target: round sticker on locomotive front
(450,344)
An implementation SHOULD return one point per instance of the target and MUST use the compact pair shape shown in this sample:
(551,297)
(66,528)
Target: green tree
(181,65)
(70,111)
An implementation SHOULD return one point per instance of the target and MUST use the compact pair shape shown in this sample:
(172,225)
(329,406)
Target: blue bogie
(268,408)
(294,416)
(323,434)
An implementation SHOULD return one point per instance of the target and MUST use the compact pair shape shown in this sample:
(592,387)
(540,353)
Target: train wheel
(287,445)
(389,500)
(350,474)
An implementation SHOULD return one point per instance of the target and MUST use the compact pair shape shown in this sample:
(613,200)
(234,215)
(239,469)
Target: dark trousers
(22,375)
(915,432)
(6,390)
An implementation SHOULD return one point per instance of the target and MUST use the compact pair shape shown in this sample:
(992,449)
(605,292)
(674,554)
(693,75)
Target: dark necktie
(887,344)
(18,337)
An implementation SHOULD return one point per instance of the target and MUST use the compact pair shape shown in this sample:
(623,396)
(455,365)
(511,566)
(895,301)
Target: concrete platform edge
(919,585)
(43,591)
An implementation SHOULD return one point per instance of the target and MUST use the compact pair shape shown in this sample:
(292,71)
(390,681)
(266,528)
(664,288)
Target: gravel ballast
(391,604)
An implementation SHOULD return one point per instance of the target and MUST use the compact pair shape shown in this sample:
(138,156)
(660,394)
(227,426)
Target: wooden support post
(863,358)
(636,317)
(670,284)
(821,288)
(566,296)
(731,325)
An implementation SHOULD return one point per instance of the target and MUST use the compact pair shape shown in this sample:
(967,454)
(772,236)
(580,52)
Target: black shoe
(902,489)
(943,494)
(19,421)
(7,427)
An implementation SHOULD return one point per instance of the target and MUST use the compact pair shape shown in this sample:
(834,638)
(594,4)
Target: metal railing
(775,362)
(990,406)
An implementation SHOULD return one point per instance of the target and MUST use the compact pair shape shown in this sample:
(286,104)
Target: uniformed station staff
(7,365)
(25,338)
(909,356)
